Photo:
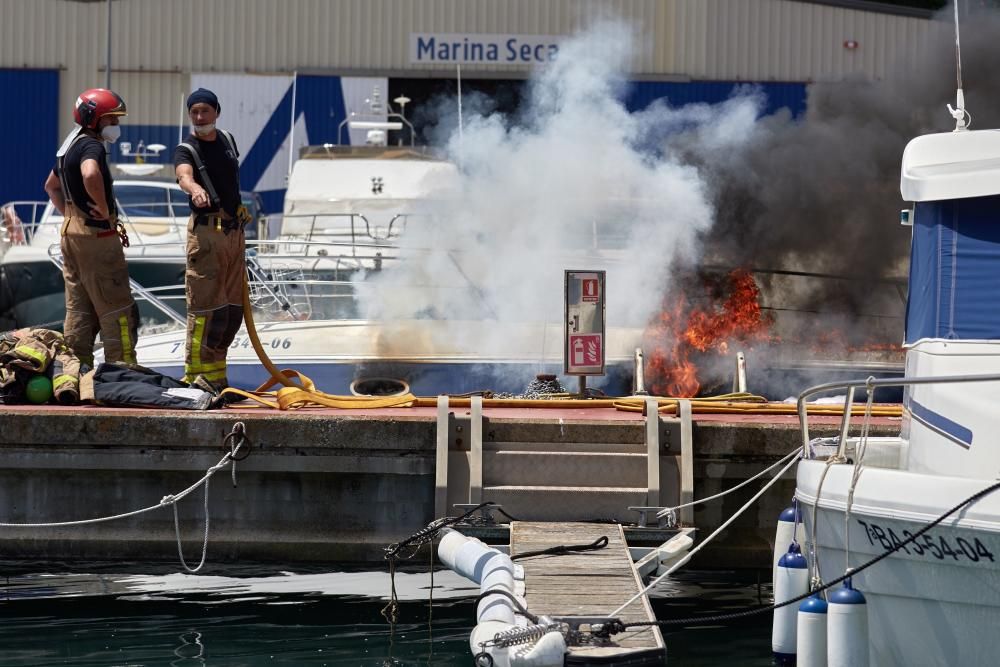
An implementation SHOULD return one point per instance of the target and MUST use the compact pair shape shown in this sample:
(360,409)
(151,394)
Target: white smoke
(576,186)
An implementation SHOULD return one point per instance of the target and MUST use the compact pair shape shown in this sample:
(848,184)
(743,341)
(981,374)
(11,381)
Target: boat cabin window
(143,201)
(179,202)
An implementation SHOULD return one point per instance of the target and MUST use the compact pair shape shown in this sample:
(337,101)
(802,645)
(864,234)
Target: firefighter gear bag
(128,385)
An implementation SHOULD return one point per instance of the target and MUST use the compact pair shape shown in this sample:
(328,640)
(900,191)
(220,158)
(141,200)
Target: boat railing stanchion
(845,423)
(639,374)
(740,374)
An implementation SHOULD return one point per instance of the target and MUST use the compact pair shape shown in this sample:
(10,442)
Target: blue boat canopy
(955,270)
(954,178)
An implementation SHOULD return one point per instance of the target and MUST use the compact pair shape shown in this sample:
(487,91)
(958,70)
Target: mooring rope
(687,557)
(753,611)
(670,511)
(235,440)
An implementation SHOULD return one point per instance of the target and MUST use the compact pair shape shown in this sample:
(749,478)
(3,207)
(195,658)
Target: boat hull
(432,357)
(934,602)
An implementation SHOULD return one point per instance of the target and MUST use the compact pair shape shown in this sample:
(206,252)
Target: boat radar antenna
(963,119)
(402,101)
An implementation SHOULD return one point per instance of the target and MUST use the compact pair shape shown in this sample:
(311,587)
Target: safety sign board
(585,351)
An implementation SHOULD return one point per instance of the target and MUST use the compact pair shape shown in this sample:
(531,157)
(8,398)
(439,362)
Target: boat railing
(19,220)
(353,228)
(22,221)
(870,384)
(55,256)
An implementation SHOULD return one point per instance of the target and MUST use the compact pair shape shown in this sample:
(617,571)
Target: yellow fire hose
(298,391)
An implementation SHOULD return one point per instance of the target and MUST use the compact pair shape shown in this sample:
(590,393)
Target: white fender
(787,532)
(451,542)
(486,631)
(847,628)
(792,580)
(810,644)
(472,558)
(497,607)
(549,651)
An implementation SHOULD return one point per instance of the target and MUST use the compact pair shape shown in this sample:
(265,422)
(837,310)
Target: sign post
(584,344)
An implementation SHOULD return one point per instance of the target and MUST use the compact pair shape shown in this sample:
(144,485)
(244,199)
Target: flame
(682,330)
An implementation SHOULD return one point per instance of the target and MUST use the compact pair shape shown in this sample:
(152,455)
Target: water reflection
(260,617)
(191,652)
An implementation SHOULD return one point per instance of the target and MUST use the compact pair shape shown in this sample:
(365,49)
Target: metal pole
(291,130)
(583,386)
(107,83)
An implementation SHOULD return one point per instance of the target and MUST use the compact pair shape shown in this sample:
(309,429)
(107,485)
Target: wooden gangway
(587,583)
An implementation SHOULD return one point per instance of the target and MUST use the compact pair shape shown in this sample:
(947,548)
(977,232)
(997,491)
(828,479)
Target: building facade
(289,72)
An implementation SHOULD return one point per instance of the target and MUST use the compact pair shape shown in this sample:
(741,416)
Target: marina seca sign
(479,48)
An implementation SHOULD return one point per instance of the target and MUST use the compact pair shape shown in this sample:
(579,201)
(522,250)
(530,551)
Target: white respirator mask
(110,133)
(203,130)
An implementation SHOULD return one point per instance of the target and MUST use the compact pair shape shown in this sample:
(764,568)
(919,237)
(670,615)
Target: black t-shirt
(86,148)
(223,166)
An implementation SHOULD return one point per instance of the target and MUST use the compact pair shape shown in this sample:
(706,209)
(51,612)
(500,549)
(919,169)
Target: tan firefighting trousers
(98,296)
(216,263)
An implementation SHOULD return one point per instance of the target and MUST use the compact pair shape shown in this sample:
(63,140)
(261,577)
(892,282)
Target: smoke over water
(670,191)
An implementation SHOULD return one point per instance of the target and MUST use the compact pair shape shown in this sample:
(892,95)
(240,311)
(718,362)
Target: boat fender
(792,579)
(451,542)
(496,607)
(486,631)
(847,628)
(789,530)
(548,651)
(472,558)
(810,645)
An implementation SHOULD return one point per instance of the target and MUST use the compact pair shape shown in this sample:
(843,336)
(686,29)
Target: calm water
(108,617)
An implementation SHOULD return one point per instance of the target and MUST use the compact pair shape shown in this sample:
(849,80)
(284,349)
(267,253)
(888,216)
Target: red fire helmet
(94,104)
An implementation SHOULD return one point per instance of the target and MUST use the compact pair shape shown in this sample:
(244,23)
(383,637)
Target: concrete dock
(338,485)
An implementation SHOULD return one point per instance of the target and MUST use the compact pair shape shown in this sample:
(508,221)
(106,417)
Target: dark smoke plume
(821,194)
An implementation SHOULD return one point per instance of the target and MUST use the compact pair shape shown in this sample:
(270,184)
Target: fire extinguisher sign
(586,350)
(584,339)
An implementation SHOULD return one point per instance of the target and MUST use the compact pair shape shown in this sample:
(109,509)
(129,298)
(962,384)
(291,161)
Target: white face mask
(203,130)
(111,133)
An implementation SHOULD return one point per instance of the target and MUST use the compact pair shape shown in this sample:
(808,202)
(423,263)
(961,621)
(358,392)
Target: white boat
(155,212)
(936,599)
(426,357)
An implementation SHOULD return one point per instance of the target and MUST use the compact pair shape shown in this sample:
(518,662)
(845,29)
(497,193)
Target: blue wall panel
(31,134)
(677,94)
(148,134)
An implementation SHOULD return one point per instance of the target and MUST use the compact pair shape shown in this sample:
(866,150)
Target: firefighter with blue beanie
(207,168)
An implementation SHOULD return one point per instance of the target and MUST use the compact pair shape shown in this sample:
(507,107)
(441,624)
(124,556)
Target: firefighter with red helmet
(98,295)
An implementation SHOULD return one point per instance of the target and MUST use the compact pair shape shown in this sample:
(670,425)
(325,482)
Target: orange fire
(732,314)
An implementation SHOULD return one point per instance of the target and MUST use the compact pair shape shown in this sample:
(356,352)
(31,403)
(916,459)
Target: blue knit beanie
(206,96)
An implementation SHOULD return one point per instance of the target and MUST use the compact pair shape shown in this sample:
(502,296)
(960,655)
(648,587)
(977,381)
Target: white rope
(166,500)
(815,576)
(170,499)
(859,457)
(670,510)
(676,566)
